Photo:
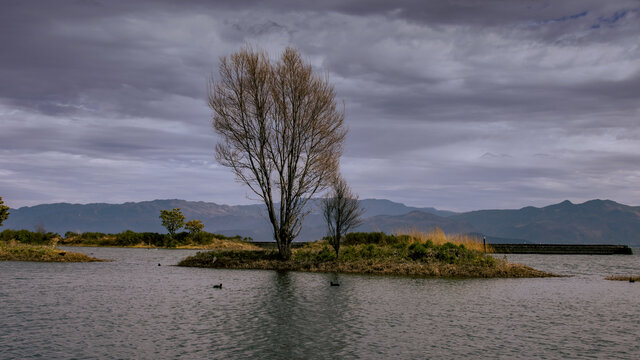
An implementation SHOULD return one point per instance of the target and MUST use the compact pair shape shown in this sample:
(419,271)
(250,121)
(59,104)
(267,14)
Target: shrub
(449,253)
(378,238)
(418,251)
(29,237)
(311,255)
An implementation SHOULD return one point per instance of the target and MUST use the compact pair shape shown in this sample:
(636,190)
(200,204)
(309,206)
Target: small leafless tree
(281,133)
(341,211)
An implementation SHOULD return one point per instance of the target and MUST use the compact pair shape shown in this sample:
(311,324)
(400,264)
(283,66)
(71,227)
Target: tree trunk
(284,250)
(284,246)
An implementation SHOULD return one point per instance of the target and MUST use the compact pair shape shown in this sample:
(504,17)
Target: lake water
(133,308)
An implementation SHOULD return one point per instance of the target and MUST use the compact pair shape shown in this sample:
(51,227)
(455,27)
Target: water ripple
(132,308)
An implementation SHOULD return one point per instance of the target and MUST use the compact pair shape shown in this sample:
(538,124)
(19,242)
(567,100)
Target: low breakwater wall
(561,249)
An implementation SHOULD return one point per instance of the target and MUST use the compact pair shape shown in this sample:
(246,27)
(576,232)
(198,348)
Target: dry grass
(13,251)
(630,278)
(222,244)
(438,237)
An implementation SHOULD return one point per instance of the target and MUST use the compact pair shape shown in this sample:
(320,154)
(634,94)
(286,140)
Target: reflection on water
(133,308)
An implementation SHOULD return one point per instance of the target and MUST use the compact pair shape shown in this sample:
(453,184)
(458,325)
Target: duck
(217,286)
(334,284)
(631,279)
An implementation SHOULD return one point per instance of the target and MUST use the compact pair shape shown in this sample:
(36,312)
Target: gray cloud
(459,105)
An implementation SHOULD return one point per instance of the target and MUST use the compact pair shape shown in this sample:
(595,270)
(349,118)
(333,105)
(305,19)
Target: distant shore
(131,239)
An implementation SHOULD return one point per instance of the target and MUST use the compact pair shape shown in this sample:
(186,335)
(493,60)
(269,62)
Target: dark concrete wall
(561,249)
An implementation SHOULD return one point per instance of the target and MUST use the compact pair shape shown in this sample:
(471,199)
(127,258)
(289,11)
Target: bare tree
(341,211)
(281,133)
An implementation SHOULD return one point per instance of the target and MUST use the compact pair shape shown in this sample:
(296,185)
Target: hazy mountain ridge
(595,221)
(414,220)
(244,220)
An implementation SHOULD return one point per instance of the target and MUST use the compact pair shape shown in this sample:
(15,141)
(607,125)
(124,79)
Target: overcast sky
(459,105)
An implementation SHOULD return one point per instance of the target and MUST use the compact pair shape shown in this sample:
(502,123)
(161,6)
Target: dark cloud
(458,104)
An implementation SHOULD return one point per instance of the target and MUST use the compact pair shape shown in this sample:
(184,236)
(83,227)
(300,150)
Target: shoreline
(266,260)
(42,253)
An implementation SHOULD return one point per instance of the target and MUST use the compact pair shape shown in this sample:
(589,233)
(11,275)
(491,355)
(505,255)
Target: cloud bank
(460,105)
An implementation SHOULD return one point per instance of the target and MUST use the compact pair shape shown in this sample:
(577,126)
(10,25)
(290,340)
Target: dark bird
(159,265)
(334,284)
(217,286)
(631,279)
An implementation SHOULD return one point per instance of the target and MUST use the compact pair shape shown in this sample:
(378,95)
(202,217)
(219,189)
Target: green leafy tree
(4,211)
(172,219)
(194,226)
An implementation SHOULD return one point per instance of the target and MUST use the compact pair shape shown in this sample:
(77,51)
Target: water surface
(133,308)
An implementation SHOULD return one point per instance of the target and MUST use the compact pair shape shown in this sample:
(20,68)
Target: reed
(223,244)
(438,237)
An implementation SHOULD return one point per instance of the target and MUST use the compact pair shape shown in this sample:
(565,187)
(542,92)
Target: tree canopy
(194,226)
(281,133)
(172,220)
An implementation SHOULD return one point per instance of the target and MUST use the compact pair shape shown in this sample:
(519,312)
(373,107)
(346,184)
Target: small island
(14,251)
(422,255)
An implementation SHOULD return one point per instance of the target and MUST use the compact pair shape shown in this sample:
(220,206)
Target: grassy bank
(13,251)
(375,253)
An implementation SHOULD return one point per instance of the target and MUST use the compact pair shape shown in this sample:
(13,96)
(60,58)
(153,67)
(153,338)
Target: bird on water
(217,286)
(334,284)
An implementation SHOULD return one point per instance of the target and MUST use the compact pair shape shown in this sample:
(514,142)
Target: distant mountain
(140,216)
(376,207)
(244,220)
(592,222)
(415,220)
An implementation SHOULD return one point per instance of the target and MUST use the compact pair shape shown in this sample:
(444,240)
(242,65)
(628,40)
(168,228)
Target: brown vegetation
(222,244)
(13,251)
(438,237)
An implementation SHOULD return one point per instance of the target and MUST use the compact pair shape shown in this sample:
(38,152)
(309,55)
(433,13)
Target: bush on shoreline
(29,237)
(126,239)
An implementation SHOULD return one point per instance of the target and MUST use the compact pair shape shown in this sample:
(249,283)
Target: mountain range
(591,222)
